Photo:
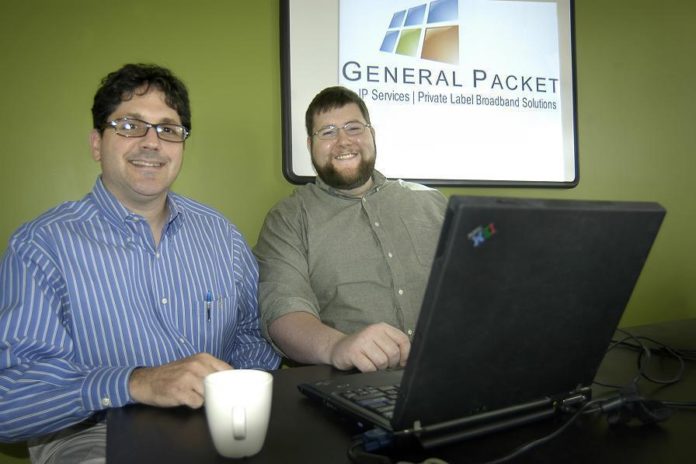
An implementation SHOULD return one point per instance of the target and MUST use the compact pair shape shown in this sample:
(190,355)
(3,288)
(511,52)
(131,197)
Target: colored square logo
(443,10)
(397,19)
(441,44)
(389,41)
(429,31)
(408,43)
(416,16)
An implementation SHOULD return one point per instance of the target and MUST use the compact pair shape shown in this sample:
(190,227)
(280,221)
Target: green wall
(636,99)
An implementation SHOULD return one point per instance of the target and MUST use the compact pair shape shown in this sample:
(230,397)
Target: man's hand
(304,338)
(174,384)
(377,346)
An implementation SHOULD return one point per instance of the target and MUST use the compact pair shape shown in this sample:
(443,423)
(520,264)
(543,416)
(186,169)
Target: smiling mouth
(345,156)
(146,164)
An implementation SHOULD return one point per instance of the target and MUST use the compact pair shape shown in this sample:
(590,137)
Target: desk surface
(302,431)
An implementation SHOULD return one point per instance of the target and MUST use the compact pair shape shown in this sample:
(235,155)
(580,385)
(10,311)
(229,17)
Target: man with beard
(344,261)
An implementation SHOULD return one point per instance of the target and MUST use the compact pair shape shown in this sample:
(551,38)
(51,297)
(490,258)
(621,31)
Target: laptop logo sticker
(479,235)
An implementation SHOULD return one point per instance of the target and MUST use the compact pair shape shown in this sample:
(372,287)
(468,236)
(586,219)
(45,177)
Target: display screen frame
(310,61)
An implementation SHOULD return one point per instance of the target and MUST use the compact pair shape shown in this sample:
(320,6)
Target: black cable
(686,353)
(357,454)
(677,377)
(645,355)
(644,409)
(540,441)
(638,347)
(680,404)
(683,352)
(626,406)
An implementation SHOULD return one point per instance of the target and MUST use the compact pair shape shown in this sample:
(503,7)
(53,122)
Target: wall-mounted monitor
(460,92)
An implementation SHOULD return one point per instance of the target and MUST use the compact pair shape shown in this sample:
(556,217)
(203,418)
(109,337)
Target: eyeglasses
(351,129)
(131,127)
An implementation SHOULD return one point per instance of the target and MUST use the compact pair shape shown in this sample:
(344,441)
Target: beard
(346,181)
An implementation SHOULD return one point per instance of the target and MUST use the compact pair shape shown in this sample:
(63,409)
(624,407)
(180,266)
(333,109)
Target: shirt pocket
(217,312)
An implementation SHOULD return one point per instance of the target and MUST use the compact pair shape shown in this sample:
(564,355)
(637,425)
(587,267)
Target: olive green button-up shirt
(351,261)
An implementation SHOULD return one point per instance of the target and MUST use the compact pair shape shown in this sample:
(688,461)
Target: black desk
(301,431)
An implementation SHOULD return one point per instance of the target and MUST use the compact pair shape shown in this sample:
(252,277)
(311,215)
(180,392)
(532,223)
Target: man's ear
(95,139)
(309,144)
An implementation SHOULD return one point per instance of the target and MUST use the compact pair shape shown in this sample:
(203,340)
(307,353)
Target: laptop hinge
(429,439)
(451,431)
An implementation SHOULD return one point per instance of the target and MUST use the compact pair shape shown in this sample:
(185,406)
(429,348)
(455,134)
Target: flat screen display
(460,92)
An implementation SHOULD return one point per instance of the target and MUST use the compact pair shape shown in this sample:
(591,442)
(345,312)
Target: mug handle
(239,422)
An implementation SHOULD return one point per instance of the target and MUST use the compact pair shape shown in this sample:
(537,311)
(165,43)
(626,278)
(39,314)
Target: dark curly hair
(331,98)
(121,85)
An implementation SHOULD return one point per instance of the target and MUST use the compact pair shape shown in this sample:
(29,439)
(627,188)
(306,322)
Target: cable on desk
(359,455)
(625,407)
(628,406)
(622,408)
(623,342)
(639,343)
(688,354)
(633,406)
(545,439)
(645,354)
(680,404)
(360,450)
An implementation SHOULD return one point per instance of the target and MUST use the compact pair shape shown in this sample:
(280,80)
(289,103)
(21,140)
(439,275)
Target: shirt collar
(378,181)
(119,214)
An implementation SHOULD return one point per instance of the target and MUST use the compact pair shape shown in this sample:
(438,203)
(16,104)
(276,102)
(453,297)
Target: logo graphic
(429,31)
(480,234)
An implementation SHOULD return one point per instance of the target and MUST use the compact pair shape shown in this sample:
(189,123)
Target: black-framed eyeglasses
(351,129)
(132,127)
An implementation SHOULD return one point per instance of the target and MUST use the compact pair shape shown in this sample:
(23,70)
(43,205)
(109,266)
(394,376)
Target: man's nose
(150,139)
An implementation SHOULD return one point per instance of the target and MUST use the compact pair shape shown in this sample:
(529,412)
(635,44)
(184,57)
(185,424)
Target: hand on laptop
(377,346)
(175,384)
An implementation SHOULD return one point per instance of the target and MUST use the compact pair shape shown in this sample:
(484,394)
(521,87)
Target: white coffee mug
(238,406)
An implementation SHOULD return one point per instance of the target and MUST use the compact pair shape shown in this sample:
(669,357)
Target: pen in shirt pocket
(208,303)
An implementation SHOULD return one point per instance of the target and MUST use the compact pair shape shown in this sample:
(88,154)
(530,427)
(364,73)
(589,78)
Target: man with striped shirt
(132,294)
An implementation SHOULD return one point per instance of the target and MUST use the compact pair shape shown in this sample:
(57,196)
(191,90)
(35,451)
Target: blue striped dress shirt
(86,297)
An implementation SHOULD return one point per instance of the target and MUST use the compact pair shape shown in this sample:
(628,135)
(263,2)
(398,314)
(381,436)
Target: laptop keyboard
(380,400)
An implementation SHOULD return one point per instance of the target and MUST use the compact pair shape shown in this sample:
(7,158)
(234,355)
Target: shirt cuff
(107,388)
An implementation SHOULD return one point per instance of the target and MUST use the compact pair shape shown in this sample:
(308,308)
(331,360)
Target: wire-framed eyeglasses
(351,129)
(132,127)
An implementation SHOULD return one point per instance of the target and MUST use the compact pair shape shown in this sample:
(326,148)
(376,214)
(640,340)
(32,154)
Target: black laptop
(523,298)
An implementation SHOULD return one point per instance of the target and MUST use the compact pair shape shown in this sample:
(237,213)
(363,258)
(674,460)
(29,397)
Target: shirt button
(164,301)
(390,255)
(181,340)
(376,224)
(410,333)
(401,292)
(106,401)
(157,255)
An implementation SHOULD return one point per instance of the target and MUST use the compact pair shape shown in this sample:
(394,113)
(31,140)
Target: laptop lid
(522,300)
